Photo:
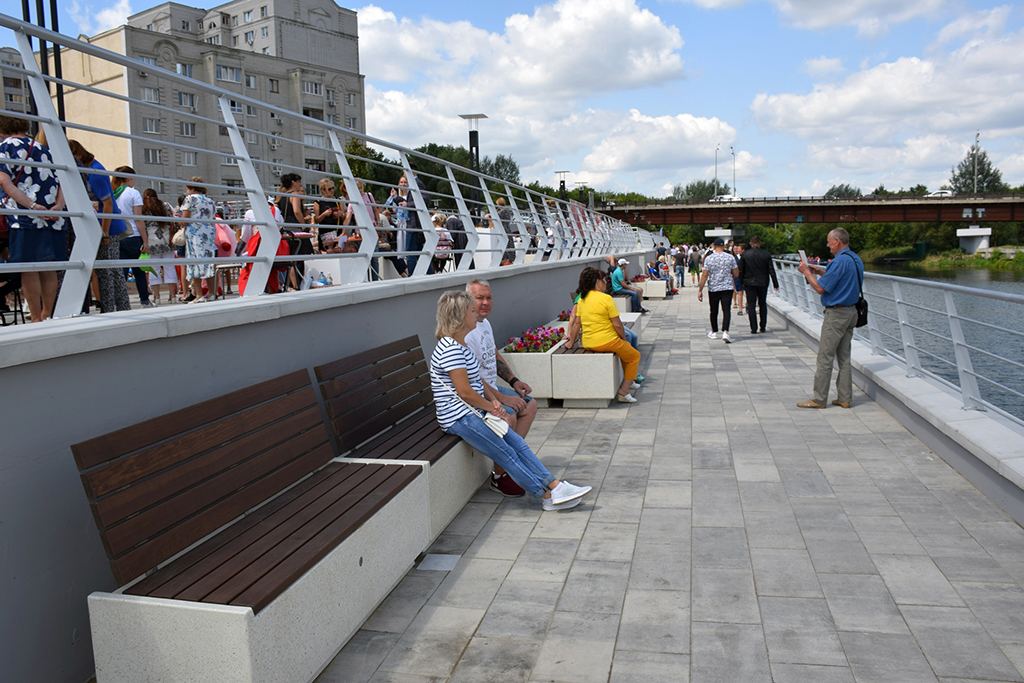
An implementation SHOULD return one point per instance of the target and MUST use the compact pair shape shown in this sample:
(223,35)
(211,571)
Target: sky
(633,95)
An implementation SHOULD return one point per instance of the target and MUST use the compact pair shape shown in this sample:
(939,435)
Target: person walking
(755,268)
(719,271)
(840,288)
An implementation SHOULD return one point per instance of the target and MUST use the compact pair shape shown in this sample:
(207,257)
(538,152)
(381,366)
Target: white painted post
(472,233)
(906,334)
(364,221)
(426,223)
(969,390)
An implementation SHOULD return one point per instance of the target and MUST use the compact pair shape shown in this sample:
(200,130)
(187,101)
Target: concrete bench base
(291,640)
(588,380)
(655,289)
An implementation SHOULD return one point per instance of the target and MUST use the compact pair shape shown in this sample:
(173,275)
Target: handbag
(179,238)
(4,229)
(862,303)
(493,422)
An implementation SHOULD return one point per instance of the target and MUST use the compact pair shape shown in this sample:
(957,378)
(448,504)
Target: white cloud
(91,21)
(973,24)
(823,66)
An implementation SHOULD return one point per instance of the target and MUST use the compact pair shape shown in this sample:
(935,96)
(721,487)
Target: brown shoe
(810,404)
(841,404)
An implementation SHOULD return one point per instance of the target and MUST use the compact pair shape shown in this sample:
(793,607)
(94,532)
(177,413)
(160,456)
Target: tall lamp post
(733,170)
(474,150)
(977,142)
(717,147)
(561,183)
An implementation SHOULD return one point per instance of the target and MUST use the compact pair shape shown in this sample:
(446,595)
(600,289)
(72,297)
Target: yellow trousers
(629,356)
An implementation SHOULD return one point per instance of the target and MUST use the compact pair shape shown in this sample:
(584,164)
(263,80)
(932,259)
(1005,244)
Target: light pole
(474,153)
(717,147)
(733,170)
(977,142)
(561,183)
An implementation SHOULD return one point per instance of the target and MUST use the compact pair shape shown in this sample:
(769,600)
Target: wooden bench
(243,552)
(588,379)
(381,409)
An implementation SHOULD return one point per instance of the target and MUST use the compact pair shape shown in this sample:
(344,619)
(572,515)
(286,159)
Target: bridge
(730,536)
(897,209)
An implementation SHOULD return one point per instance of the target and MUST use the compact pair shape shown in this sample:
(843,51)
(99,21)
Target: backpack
(444,245)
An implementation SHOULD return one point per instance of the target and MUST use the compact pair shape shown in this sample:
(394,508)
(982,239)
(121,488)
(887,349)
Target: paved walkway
(730,537)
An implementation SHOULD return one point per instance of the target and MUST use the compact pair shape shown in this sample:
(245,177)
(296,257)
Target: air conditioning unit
(275,171)
(192,109)
(275,145)
(280,121)
(250,41)
(330,103)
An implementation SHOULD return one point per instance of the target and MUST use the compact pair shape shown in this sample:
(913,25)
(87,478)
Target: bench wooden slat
(180,572)
(129,501)
(351,405)
(143,557)
(128,470)
(102,448)
(235,480)
(332,370)
(224,574)
(374,406)
(413,429)
(427,442)
(360,378)
(356,434)
(260,594)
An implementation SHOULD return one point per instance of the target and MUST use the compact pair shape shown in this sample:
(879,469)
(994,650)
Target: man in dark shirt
(755,268)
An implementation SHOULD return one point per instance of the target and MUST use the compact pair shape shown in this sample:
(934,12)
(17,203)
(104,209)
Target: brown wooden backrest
(159,486)
(371,391)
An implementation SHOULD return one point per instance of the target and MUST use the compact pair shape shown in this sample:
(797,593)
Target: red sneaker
(503,484)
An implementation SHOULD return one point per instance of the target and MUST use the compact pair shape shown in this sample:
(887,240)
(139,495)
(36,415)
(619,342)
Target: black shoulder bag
(862,303)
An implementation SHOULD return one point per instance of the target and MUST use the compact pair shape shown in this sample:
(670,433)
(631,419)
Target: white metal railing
(925,327)
(560,229)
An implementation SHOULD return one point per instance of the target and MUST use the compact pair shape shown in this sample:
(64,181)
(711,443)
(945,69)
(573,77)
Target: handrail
(992,354)
(562,230)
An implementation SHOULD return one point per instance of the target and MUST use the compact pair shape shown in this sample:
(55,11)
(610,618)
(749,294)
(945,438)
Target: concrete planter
(534,369)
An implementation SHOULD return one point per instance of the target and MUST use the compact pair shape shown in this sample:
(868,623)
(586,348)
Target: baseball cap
(623,262)
(719,242)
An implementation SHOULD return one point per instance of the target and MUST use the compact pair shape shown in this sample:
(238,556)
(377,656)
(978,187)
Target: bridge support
(974,238)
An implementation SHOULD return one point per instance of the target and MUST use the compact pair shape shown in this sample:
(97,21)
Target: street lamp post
(561,183)
(977,141)
(733,170)
(474,151)
(717,147)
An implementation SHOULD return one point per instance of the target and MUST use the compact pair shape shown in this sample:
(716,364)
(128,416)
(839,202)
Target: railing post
(426,223)
(875,334)
(906,334)
(362,213)
(968,382)
(465,259)
(496,256)
(270,233)
(520,226)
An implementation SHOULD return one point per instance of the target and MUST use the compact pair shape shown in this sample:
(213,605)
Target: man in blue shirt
(619,285)
(840,288)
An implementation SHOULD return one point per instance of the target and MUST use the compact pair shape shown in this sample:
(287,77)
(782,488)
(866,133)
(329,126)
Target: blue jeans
(631,337)
(636,298)
(680,275)
(131,248)
(511,453)
(515,394)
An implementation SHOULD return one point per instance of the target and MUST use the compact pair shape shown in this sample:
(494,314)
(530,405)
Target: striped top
(451,355)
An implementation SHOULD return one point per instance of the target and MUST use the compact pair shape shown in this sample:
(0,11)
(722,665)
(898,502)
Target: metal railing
(925,327)
(561,230)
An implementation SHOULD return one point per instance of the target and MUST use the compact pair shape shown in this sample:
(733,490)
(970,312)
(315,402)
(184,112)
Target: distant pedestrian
(755,268)
(719,271)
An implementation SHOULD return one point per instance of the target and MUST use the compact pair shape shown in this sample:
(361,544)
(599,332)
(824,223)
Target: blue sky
(636,95)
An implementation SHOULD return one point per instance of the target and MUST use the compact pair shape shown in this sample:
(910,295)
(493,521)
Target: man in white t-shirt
(129,203)
(521,408)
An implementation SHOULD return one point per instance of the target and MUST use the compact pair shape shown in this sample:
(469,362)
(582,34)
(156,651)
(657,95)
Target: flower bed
(529,357)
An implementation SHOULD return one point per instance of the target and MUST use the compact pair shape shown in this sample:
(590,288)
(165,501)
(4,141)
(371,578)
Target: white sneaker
(634,385)
(546,504)
(712,335)
(565,492)
(727,338)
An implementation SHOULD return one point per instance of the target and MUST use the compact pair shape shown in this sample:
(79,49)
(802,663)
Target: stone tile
(450,544)
(957,645)
(999,607)
(617,506)
(472,584)
(838,552)
(655,621)
(670,467)
(716,500)
(757,470)
(607,542)
(724,595)
(595,587)
(784,573)
(569,525)
(544,559)
(810,673)
(501,539)
(764,497)
(915,580)
(521,609)
(659,566)
(471,519)
(359,659)
(393,677)
(649,667)
(433,643)
(497,660)
(398,610)
(773,530)
(885,657)
(720,547)
(728,653)
(664,525)
(886,536)
(802,484)
(578,648)
(800,631)
(861,603)
(668,494)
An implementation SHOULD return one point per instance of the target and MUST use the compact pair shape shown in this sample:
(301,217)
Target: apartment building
(13,85)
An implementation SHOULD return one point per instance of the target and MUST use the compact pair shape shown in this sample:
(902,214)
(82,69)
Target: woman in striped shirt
(461,398)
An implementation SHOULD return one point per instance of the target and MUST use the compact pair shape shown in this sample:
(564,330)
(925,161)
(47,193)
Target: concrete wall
(71,380)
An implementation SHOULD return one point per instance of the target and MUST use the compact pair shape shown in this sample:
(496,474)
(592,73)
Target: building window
(332,119)
(329,94)
(265,32)
(147,60)
(184,69)
(234,182)
(313,139)
(312,88)
(188,159)
(234,41)
(234,20)
(250,37)
(152,156)
(251,137)
(275,85)
(213,40)
(224,130)
(13,98)
(186,25)
(316,165)
(317,114)
(250,110)
(212,25)
(151,95)
(350,122)
(187,99)
(250,81)
(351,99)
(187,129)
(229,73)
(266,50)
(276,167)
(12,83)
(229,161)
(263,11)
(151,126)
(247,16)
(275,140)
(149,27)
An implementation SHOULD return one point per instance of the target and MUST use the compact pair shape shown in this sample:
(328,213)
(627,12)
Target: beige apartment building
(298,55)
(13,86)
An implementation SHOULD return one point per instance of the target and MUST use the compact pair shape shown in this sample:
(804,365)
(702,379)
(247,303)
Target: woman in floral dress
(199,239)
(158,235)
(36,237)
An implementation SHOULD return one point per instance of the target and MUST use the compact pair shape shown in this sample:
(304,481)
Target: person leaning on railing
(35,237)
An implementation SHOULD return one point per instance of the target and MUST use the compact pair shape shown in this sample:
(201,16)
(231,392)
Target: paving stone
(800,631)
(784,573)
(773,530)
(720,547)
(764,497)
(999,607)
(838,552)
(578,648)
(668,494)
(544,559)
(660,566)
(810,673)
(757,470)
(915,580)
(595,587)
(501,539)
(801,484)
(497,660)
(655,621)
(716,500)
(861,603)
(434,641)
(473,583)
(724,595)
(521,609)
(664,525)
(359,659)
(956,645)
(885,657)
(607,542)
(393,677)
(649,667)
(886,536)
(398,610)
(728,653)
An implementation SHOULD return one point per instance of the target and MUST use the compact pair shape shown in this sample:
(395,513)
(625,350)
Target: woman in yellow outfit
(602,329)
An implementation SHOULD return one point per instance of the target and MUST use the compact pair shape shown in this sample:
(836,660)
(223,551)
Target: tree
(503,166)
(698,190)
(990,178)
(880,191)
(918,190)
(844,191)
